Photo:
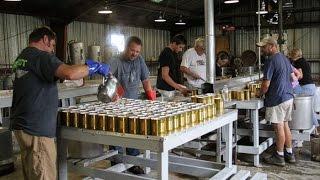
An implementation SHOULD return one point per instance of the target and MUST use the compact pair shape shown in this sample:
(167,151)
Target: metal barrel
(122,124)
(101,122)
(83,119)
(91,122)
(65,118)
(111,123)
(74,118)
(144,125)
(133,125)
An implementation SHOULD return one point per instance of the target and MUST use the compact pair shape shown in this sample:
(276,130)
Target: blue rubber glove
(96,67)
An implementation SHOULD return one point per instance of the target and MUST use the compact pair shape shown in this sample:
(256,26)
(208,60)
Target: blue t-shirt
(129,73)
(35,94)
(278,71)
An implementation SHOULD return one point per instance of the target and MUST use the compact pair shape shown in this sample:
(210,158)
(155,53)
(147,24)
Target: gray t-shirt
(129,73)
(35,93)
(277,70)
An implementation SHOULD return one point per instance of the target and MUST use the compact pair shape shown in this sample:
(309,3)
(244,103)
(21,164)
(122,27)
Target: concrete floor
(304,169)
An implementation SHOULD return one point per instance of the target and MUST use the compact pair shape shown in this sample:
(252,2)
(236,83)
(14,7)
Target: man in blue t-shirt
(278,91)
(35,101)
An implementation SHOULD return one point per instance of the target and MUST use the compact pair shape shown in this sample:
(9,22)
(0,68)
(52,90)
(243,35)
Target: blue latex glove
(96,67)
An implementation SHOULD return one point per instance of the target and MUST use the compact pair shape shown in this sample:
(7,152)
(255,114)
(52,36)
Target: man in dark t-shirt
(35,101)
(168,77)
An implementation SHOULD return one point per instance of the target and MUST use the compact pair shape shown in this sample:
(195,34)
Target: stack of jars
(137,116)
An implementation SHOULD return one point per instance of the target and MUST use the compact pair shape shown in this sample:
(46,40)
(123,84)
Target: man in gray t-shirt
(130,68)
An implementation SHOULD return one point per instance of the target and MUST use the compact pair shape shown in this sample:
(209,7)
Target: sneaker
(289,157)
(275,159)
(136,170)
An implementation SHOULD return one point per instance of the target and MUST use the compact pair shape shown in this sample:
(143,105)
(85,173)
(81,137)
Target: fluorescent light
(105,10)
(231,1)
(180,22)
(262,12)
(160,20)
(12,0)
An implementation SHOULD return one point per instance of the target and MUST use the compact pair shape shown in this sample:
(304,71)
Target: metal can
(91,122)
(111,123)
(194,99)
(74,118)
(201,115)
(240,95)
(144,125)
(158,126)
(176,121)
(183,117)
(210,111)
(83,116)
(233,94)
(101,123)
(201,99)
(170,123)
(188,119)
(133,125)
(257,92)
(65,118)
(246,94)
(194,116)
(219,105)
(205,113)
(122,124)
(208,99)
(194,92)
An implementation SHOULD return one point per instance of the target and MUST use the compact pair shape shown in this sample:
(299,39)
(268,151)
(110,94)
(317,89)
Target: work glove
(96,67)
(151,95)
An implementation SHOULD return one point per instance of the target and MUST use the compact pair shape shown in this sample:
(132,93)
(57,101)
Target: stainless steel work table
(160,159)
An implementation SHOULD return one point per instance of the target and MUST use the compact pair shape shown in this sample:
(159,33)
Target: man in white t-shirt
(193,64)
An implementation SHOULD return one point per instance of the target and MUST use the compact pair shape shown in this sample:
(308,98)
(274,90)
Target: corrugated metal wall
(89,33)
(14,32)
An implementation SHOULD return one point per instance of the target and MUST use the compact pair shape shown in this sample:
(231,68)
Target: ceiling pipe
(280,23)
(210,43)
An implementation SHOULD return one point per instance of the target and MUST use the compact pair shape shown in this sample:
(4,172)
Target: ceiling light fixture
(262,9)
(12,0)
(160,18)
(231,1)
(180,22)
(105,10)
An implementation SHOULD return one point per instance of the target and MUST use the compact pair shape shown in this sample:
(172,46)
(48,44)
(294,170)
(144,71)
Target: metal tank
(6,152)
(94,53)
(76,52)
(302,112)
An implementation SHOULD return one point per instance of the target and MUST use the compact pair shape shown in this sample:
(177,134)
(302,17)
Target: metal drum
(94,52)
(76,52)
(302,113)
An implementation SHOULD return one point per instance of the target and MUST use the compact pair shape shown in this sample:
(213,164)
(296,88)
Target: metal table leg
(147,156)
(255,122)
(62,159)
(163,168)
(218,146)
(228,153)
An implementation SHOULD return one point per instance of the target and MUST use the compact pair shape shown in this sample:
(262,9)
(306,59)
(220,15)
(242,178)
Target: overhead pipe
(259,37)
(210,41)
(280,25)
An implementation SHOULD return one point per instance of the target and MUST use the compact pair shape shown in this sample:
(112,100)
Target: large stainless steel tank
(76,52)
(6,152)
(94,53)
(302,112)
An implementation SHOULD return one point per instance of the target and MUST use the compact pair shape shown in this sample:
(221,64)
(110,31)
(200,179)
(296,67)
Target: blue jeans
(308,89)
(129,151)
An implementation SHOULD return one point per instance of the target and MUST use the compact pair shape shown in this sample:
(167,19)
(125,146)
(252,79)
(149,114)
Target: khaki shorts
(38,156)
(280,113)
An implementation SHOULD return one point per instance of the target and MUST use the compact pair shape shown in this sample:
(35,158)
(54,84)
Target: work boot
(136,170)
(275,159)
(289,157)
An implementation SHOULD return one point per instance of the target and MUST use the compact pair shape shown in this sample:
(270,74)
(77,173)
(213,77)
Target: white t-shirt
(195,63)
